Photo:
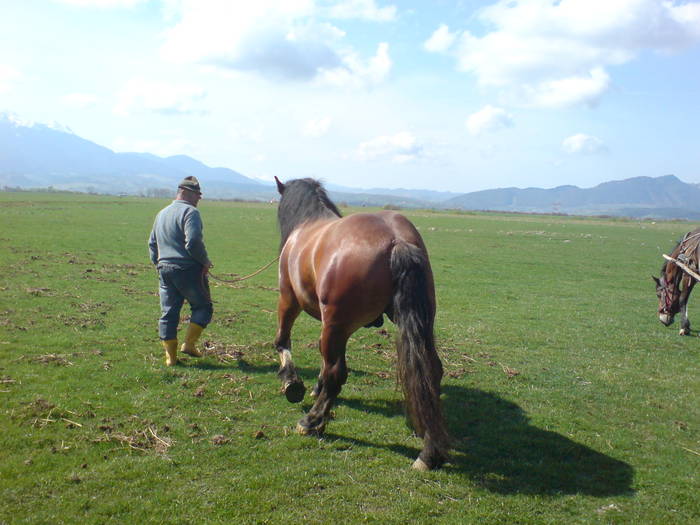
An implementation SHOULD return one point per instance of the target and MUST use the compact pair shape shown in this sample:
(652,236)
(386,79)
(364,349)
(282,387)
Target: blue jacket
(176,237)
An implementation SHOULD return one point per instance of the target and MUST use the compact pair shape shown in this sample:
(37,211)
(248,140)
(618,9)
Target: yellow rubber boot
(188,347)
(170,346)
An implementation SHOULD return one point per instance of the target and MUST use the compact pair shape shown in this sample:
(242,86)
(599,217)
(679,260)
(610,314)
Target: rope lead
(239,279)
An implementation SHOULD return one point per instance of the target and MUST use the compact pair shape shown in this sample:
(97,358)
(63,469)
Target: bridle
(666,296)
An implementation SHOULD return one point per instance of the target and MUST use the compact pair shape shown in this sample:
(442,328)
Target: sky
(444,95)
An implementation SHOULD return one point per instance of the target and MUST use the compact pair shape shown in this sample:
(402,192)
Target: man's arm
(194,238)
(153,246)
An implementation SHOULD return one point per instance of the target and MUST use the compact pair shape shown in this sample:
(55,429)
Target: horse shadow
(238,364)
(308,374)
(496,447)
(493,442)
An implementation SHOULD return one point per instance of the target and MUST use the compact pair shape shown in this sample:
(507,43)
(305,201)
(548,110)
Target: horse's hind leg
(333,376)
(287,311)
(316,390)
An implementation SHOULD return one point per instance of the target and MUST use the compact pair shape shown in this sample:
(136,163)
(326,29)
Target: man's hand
(206,267)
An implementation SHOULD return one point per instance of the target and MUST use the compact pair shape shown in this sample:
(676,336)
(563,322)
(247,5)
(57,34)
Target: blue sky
(445,95)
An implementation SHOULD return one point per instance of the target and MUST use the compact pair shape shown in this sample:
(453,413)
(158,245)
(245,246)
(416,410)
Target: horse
(348,272)
(675,284)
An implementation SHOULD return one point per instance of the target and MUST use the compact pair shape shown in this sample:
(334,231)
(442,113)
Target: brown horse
(674,286)
(348,272)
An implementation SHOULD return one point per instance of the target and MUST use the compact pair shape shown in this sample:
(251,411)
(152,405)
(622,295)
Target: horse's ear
(280,186)
(656,280)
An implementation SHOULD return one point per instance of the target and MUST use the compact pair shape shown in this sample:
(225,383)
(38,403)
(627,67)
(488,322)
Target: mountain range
(36,155)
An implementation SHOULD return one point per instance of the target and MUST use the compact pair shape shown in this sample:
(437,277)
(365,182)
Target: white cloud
(79,100)
(272,37)
(278,39)
(583,144)
(164,147)
(8,76)
(254,134)
(488,118)
(365,9)
(158,97)
(101,3)
(399,148)
(569,91)
(355,72)
(317,128)
(555,52)
(441,40)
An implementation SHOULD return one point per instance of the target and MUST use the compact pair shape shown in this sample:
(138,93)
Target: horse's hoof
(684,331)
(294,391)
(419,464)
(309,431)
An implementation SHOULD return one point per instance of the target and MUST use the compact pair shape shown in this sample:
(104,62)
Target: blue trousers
(176,285)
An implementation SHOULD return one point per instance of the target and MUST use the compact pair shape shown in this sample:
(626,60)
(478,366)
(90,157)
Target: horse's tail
(419,366)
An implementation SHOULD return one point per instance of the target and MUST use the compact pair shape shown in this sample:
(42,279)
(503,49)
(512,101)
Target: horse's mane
(664,266)
(303,200)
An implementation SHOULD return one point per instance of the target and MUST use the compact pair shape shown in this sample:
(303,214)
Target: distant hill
(423,197)
(48,155)
(664,197)
(40,155)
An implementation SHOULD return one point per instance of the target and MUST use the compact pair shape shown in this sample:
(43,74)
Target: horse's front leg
(334,373)
(288,310)
(685,295)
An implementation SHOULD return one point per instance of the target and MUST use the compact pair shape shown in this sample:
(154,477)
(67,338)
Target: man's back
(177,237)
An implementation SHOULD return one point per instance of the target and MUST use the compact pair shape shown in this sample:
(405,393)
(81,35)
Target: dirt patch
(43,413)
(86,321)
(460,372)
(36,408)
(224,353)
(7,380)
(227,321)
(9,324)
(144,439)
(89,307)
(220,439)
(40,292)
(51,359)
(135,433)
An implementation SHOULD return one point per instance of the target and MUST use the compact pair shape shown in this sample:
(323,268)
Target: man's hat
(190,183)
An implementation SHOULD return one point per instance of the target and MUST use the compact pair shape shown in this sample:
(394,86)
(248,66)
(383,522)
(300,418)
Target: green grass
(567,400)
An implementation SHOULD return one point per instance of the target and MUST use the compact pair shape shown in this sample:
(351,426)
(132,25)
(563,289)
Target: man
(176,247)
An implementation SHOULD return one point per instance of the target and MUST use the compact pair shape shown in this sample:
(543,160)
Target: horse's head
(302,200)
(668,291)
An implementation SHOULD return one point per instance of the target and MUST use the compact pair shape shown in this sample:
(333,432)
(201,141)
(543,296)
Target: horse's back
(364,241)
(381,229)
(349,262)
(689,244)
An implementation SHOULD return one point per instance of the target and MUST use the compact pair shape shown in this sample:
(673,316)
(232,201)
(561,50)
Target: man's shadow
(495,446)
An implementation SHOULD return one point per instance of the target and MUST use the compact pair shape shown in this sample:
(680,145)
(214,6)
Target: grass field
(567,400)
